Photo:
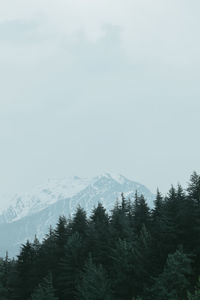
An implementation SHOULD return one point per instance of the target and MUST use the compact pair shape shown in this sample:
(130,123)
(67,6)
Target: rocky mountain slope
(33,213)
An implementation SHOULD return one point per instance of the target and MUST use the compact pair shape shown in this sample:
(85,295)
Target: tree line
(134,252)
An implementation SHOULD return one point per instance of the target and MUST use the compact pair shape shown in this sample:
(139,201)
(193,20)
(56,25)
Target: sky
(88,87)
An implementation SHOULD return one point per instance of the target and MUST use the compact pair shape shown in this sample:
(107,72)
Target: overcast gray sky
(94,86)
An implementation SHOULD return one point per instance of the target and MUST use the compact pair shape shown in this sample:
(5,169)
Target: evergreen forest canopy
(132,253)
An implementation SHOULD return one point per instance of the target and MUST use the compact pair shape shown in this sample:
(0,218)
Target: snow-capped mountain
(33,213)
(42,196)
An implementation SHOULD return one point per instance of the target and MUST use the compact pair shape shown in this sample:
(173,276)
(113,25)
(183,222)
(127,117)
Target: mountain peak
(55,190)
(114,176)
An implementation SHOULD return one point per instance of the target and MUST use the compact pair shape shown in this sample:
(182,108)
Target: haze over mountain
(34,213)
(88,86)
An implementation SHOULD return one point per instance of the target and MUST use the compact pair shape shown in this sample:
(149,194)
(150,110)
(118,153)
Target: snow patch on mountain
(86,192)
(43,196)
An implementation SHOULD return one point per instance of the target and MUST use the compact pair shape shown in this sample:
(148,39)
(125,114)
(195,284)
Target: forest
(130,253)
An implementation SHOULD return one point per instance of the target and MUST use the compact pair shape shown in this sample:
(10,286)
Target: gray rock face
(25,218)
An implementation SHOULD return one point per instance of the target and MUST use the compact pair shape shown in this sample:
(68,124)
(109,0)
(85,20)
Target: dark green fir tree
(173,283)
(45,290)
(94,283)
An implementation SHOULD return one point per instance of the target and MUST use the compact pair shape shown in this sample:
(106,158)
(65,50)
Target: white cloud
(158,29)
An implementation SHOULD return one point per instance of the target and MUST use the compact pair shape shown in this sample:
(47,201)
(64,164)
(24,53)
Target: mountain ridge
(106,188)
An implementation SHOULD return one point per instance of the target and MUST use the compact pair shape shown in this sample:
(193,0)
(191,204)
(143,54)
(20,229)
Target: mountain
(33,213)
(42,197)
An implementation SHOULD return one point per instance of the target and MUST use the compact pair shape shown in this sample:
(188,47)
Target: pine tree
(169,222)
(36,245)
(192,217)
(94,283)
(48,254)
(194,188)
(123,203)
(122,272)
(61,236)
(181,225)
(79,223)
(26,269)
(158,204)
(120,223)
(142,261)
(173,283)
(141,213)
(158,230)
(99,235)
(45,290)
(4,278)
(69,267)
